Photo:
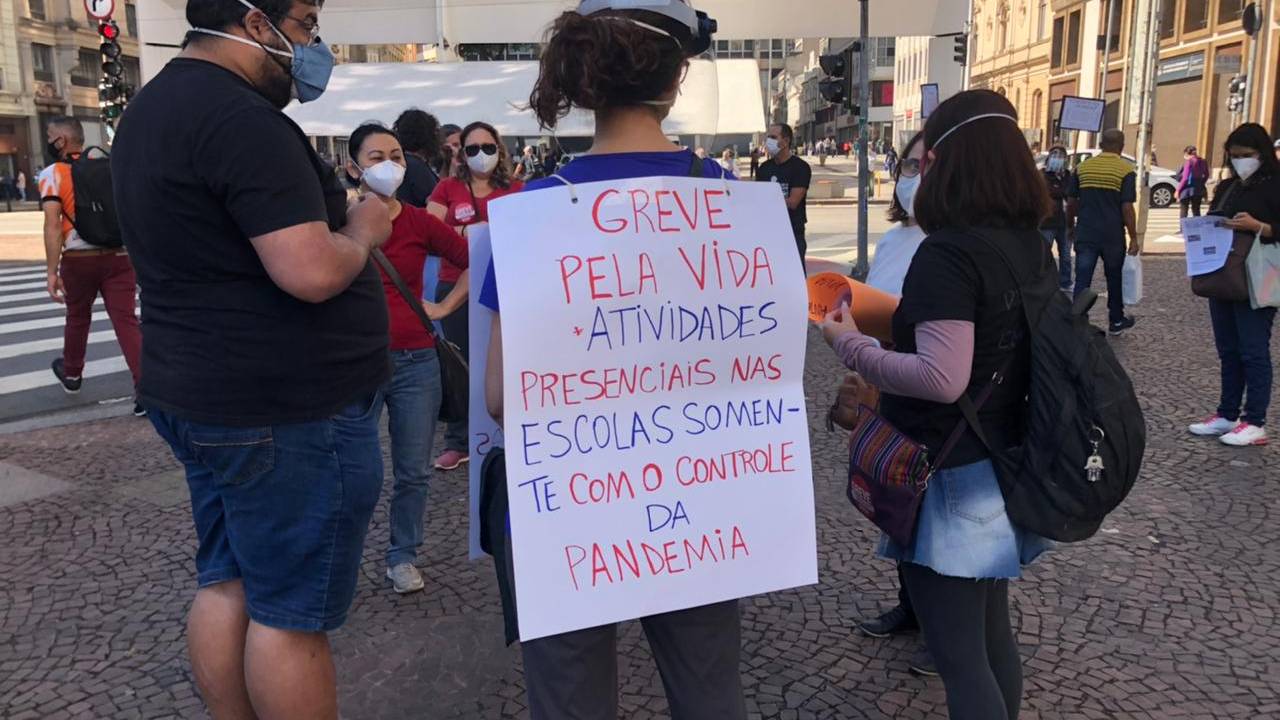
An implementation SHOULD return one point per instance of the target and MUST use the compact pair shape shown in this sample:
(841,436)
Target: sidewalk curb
(63,418)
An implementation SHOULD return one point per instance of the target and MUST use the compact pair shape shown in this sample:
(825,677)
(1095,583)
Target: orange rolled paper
(872,309)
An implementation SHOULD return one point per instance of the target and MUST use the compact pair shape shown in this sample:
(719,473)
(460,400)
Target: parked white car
(1164,188)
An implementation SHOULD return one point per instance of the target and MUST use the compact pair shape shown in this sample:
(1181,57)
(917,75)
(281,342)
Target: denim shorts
(284,509)
(963,529)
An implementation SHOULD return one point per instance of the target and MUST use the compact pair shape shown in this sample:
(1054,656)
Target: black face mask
(52,153)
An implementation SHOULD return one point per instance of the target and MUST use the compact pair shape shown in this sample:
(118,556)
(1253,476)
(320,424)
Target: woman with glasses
(483,173)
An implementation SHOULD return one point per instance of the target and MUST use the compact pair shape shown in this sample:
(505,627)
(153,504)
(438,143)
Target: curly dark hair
(602,61)
(419,133)
(501,175)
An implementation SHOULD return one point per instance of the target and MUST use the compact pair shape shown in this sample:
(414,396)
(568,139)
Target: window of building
(1117,20)
(1230,11)
(1168,20)
(42,62)
(884,52)
(1059,38)
(88,67)
(132,71)
(1042,20)
(1002,36)
(882,93)
(131,19)
(1037,107)
(35,8)
(1195,15)
(1073,38)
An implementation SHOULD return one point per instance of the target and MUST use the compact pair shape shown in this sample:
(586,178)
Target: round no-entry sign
(100,9)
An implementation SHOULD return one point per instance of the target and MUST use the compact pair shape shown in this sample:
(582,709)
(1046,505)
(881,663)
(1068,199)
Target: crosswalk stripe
(6,282)
(7,271)
(44,378)
(54,343)
(22,286)
(42,307)
(25,325)
(22,297)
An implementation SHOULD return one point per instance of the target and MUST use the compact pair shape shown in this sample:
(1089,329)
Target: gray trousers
(574,676)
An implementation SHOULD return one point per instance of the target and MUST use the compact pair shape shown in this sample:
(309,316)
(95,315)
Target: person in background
(1249,200)
(529,167)
(1057,177)
(624,65)
(462,200)
(1100,207)
(266,344)
(79,272)
(755,159)
(1276,145)
(726,161)
(701,153)
(823,149)
(953,336)
(792,175)
(20,184)
(1192,179)
(894,253)
(413,395)
(891,163)
(450,150)
(419,135)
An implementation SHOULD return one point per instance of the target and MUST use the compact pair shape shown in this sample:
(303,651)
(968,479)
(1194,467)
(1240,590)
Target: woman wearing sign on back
(1250,202)
(626,67)
(961,331)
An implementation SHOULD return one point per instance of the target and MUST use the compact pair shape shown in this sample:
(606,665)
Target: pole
(864,162)
(768,92)
(1255,46)
(1150,73)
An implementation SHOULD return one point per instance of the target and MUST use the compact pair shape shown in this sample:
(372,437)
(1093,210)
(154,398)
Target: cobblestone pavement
(1169,613)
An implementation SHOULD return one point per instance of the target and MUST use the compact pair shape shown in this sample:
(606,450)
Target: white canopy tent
(719,98)
(163,22)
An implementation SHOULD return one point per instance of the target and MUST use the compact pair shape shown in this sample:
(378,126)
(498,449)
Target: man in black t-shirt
(265,343)
(792,175)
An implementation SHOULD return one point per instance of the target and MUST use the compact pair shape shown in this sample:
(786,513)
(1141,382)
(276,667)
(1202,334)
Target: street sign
(928,99)
(100,9)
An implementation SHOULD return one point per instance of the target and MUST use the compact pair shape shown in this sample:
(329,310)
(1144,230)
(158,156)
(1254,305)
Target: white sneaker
(1245,435)
(1213,427)
(405,578)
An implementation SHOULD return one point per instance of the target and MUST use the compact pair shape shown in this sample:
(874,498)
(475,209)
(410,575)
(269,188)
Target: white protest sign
(1081,113)
(1208,244)
(653,357)
(483,432)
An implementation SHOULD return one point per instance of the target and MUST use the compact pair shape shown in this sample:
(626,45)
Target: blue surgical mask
(311,65)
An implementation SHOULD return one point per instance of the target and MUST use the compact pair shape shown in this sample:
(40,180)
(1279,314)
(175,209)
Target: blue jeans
(1243,337)
(283,508)
(412,397)
(1058,236)
(1112,256)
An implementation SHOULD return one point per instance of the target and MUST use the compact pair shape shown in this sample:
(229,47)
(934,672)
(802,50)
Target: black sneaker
(70,385)
(922,664)
(138,410)
(894,622)
(1117,329)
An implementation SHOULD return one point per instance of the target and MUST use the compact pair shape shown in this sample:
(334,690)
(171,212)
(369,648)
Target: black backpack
(95,219)
(1081,411)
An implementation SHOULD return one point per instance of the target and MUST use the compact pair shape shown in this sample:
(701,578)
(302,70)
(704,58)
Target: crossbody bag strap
(405,292)
(969,410)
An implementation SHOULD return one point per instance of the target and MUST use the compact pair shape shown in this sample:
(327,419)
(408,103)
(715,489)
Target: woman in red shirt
(484,173)
(413,394)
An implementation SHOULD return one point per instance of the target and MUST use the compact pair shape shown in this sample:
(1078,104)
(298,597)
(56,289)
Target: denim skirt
(963,530)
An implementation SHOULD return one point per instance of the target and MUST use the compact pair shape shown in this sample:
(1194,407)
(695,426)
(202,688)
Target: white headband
(1010,118)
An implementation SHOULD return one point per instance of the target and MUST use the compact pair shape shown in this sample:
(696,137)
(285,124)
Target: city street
(1168,613)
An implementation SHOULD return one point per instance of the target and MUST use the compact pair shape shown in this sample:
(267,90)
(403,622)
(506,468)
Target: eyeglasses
(909,168)
(486,148)
(311,26)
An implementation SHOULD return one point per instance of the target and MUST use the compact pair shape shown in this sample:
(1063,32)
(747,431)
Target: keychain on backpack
(1093,466)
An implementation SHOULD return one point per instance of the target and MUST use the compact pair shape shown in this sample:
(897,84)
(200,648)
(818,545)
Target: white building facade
(920,61)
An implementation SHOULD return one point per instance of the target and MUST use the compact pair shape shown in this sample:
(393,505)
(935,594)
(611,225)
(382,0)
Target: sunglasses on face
(486,148)
(909,168)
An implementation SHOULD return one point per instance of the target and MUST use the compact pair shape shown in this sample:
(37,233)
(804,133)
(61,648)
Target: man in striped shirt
(1102,193)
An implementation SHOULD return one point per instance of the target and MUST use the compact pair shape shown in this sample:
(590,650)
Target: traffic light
(962,49)
(113,93)
(1237,93)
(835,87)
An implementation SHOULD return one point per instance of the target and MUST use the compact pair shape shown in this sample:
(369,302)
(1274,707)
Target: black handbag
(1231,281)
(455,373)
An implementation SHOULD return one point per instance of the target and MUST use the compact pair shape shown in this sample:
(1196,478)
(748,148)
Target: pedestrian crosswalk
(31,330)
(1163,226)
